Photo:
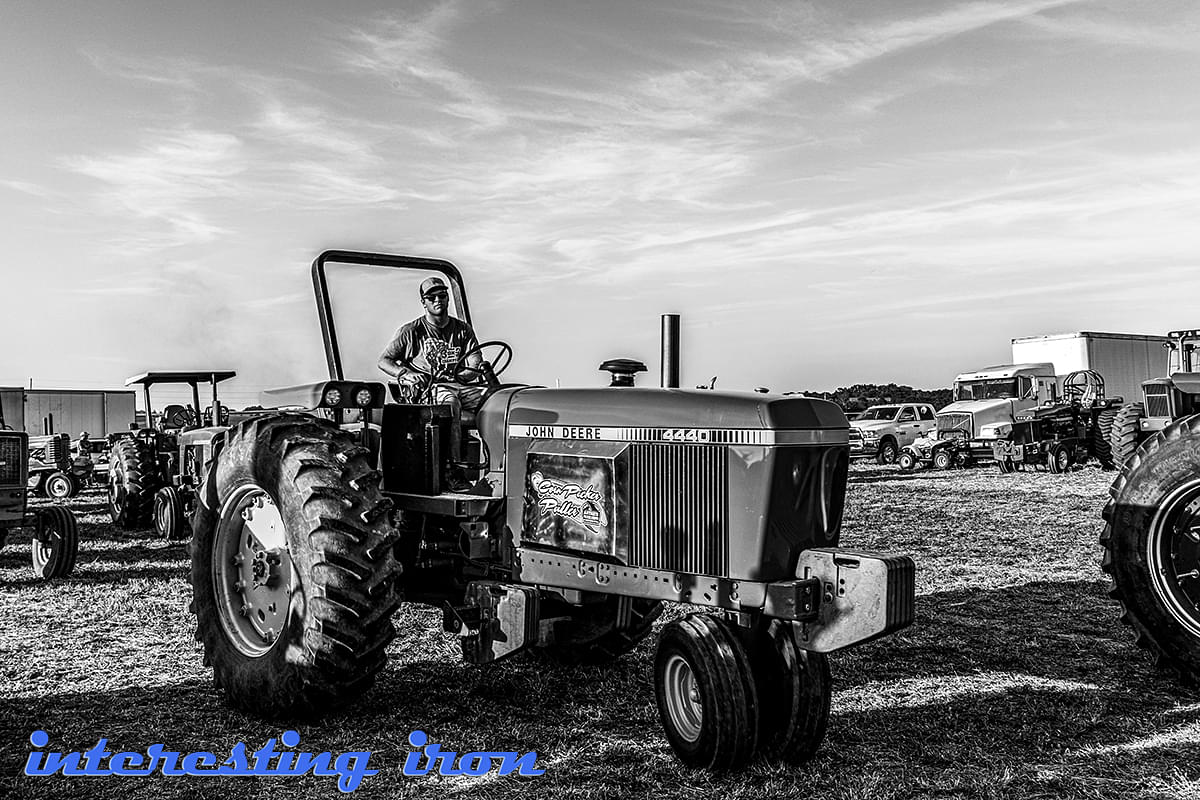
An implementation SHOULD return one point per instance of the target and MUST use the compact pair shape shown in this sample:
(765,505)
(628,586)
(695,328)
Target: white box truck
(70,411)
(1124,360)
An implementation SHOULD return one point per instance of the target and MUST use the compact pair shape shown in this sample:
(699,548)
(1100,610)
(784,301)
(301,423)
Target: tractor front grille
(1157,403)
(679,515)
(954,424)
(13,455)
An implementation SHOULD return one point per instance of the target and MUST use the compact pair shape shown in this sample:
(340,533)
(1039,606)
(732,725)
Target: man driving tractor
(435,359)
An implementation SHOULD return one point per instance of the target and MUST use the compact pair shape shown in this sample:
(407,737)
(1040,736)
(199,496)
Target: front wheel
(1152,550)
(293,572)
(907,462)
(794,689)
(56,545)
(704,686)
(887,452)
(170,523)
(58,486)
(942,459)
(1059,460)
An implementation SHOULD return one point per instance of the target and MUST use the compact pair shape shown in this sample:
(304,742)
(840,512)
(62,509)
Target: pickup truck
(882,430)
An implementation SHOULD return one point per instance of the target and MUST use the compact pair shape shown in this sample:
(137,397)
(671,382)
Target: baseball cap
(430,285)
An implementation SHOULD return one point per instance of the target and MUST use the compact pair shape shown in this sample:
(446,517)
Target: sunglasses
(437,296)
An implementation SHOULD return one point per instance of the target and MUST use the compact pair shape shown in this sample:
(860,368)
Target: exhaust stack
(670,351)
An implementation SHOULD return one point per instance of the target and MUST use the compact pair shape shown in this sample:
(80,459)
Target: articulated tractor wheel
(293,570)
(1123,438)
(56,543)
(1152,545)
(725,694)
(132,479)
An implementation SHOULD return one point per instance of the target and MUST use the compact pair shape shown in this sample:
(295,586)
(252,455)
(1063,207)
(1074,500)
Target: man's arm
(395,361)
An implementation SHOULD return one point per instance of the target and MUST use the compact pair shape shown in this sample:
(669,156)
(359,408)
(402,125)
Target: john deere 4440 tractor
(590,508)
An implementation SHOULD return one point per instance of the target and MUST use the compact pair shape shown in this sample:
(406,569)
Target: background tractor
(590,508)
(1062,432)
(151,474)
(1164,400)
(55,535)
(53,471)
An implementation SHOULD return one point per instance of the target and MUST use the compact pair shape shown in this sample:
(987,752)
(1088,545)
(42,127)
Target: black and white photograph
(652,399)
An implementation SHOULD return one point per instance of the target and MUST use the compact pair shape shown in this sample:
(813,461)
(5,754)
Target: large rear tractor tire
(294,578)
(1152,548)
(704,685)
(794,689)
(604,631)
(132,479)
(54,552)
(1123,439)
(1101,442)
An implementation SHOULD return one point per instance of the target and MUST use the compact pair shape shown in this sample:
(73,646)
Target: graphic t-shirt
(429,348)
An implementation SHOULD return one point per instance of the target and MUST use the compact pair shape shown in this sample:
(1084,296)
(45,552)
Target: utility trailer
(590,508)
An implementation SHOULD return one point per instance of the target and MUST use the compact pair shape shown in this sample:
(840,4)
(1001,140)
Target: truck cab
(987,401)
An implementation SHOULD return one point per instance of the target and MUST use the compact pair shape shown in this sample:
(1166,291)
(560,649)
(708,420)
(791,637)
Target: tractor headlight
(332,397)
(363,397)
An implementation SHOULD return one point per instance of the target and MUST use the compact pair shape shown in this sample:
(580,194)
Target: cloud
(25,187)
(412,54)
(166,180)
(1180,36)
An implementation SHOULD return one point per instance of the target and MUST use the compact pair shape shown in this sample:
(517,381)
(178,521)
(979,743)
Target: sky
(826,192)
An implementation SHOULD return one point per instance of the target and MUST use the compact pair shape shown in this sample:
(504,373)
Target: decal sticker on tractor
(569,502)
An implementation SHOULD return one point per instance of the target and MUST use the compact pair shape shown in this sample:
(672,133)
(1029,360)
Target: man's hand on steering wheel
(486,372)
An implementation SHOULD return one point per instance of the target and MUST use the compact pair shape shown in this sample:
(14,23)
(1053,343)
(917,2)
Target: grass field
(1016,681)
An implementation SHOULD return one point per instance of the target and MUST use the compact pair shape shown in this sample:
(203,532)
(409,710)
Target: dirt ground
(1017,679)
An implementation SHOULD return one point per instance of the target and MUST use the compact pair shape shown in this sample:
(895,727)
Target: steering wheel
(504,358)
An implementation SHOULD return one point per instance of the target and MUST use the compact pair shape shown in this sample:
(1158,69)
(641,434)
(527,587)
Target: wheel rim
(1062,459)
(58,487)
(116,493)
(682,695)
(1173,555)
(253,576)
(888,453)
(161,510)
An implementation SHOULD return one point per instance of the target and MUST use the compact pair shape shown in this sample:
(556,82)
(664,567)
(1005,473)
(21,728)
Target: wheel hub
(683,698)
(252,571)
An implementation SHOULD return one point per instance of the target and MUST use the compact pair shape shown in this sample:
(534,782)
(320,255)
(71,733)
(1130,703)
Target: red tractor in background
(149,477)
(589,509)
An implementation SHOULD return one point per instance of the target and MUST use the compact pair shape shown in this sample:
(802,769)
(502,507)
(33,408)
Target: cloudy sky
(827,192)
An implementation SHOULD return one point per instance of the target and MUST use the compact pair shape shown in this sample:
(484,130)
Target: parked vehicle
(55,535)
(934,451)
(1162,400)
(590,508)
(53,471)
(987,401)
(1059,434)
(150,478)
(881,432)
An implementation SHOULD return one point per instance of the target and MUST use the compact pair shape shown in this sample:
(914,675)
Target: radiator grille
(1156,401)
(679,516)
(952,424)
(12,460)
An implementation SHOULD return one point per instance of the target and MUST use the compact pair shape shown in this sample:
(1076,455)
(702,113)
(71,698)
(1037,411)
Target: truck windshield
(995,389)
(880,412)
